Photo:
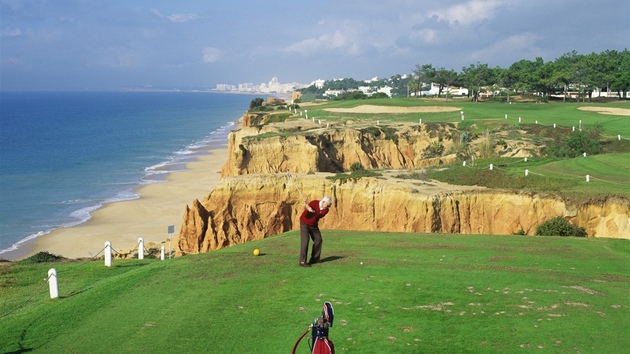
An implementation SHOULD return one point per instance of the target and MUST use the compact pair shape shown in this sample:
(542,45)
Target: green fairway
(609,174)
(612,168)
(414,293)
(566,115)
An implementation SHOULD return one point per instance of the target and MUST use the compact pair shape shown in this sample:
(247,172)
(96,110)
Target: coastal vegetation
(571,77)
(563,142)
(392,292)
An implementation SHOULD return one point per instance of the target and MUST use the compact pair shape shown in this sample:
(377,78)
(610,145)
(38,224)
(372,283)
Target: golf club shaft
(296,187)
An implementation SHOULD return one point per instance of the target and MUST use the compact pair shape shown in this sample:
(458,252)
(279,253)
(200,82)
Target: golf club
(296,187)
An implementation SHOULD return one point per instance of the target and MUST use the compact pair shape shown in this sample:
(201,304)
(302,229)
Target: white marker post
(464,164)
(588,178)
(306,112)
(171,230)
(491,167)
(519,119)
(526,172)
(526,159)
(140,248)
(108,254)
(53,284)
(162,253)
(506,116)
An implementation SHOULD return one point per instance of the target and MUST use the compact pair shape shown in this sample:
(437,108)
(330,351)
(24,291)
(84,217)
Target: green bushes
(558,226)
(43,257)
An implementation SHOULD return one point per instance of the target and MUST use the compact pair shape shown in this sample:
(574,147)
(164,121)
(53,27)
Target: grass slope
(414,293)
(565,114)
(609,175)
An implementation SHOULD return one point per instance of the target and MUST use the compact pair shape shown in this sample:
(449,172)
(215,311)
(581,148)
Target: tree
(563,71)
(523,74)
(621,79)
(558,226)
(256,102)
(475,77)
(444,78)
(424,74)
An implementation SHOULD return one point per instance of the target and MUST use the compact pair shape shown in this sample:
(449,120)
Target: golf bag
(319,342)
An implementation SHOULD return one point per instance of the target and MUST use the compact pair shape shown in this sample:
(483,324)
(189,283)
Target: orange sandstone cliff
(255,199)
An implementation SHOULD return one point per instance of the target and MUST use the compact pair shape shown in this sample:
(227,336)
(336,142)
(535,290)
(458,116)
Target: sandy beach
(122,223)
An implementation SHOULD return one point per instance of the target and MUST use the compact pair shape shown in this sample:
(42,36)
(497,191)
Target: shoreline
(122,223)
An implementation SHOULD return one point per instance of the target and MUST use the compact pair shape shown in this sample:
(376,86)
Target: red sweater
(311,219)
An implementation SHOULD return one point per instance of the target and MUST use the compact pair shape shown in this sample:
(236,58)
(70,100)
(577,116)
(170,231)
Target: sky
(186,44)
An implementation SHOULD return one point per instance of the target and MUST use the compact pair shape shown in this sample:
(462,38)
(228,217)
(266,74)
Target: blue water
(64,155)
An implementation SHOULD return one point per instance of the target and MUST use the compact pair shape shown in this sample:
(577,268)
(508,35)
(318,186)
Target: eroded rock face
(246,208)
(335,149)
(256,199)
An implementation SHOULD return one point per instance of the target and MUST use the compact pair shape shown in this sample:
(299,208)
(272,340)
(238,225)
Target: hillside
(392,292)
(256,199)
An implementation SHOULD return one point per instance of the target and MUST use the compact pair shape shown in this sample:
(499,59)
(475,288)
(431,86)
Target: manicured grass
(564,115)
(414,293)
(567,178)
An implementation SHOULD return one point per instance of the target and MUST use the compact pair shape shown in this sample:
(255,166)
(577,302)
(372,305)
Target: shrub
(42,257)
(356,167)
(558,226)
(256,102)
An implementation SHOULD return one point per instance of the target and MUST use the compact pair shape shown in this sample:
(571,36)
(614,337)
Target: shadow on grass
(331,259)
(73,293)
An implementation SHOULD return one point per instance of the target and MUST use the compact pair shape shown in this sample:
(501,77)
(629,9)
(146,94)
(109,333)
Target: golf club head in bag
(319,331)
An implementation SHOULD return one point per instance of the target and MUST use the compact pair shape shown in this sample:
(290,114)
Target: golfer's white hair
(327,199)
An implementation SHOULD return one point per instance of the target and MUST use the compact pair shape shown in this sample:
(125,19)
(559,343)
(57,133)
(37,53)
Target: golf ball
(361,263)
(256,252)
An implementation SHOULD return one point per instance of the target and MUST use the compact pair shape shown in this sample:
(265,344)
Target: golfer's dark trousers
(313,233)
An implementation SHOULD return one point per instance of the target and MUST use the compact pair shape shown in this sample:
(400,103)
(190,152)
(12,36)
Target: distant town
(272,87)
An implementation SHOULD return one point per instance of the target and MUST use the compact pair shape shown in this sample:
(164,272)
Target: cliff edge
(256,199)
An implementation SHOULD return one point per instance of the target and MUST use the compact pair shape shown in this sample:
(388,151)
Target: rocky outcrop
(247,208)
(336,148)
(255,199)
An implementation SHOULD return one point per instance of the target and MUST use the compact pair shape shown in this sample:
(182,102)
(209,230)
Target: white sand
(607,110)
(122,223)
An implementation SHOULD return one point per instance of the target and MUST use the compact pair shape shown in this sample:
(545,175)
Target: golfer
(313,211)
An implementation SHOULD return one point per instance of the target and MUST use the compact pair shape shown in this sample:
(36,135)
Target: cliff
(255,198)
(242,209)
(311,147)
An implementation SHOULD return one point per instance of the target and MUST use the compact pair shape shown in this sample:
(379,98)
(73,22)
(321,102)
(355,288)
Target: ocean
(65,154)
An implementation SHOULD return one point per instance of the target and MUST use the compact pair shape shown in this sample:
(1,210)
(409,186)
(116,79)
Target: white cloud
(469,13)
(426,35)
(336,40)
(176,17)
(11,32)
(211,55)
(183,17)
(522,46)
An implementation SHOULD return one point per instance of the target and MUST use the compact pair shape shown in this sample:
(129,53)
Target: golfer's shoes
(304,264)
